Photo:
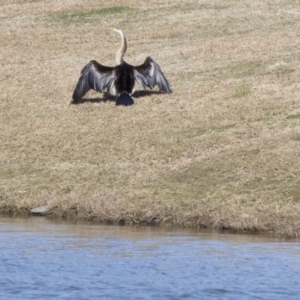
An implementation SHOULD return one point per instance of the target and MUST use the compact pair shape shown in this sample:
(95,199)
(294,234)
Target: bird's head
(117,30)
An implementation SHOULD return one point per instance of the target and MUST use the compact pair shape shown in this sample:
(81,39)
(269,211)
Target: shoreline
(224,226)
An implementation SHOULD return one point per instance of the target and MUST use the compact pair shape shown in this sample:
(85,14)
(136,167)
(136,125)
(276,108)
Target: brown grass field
(222,151)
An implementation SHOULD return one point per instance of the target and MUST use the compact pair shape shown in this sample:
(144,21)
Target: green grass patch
(293,117)
(240,70)
(296,137)
(186,7)
(248,69)
(242,90)
(190,134)
(90,15)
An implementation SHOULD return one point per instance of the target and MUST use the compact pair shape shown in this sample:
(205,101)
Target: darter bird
(120,80)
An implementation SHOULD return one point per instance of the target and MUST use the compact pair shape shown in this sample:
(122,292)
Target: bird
(120,79)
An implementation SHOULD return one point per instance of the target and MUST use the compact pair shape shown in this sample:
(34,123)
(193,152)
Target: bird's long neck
(122,49)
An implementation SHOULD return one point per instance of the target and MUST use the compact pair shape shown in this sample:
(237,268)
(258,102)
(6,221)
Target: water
(42,259)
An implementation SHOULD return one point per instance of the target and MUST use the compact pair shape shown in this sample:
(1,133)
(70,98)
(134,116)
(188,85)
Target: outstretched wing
(94,76)
(149,75)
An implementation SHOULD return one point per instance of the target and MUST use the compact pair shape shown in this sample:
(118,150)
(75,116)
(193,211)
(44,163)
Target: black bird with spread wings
(120,80)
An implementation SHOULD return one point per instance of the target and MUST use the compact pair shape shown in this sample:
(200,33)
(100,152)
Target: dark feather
(124,99)
(124,78)
(94,76)
(149,74)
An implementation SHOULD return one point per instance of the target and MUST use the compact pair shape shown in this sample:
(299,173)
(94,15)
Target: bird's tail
(124,99)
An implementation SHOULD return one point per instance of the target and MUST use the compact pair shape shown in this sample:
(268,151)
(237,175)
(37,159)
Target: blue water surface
(43,259)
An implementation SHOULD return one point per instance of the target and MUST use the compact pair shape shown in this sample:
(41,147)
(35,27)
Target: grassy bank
(222,151)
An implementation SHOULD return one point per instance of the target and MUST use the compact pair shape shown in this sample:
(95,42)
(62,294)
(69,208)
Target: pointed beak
(113,29)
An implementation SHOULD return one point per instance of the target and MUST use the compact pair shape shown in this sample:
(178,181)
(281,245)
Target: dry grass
(222,151)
